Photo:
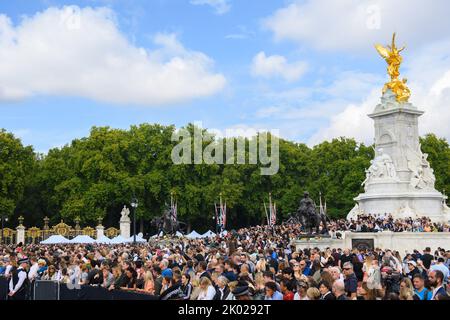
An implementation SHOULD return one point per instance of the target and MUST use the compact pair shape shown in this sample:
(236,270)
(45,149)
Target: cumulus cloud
(429,73)
(220,6)
(277,66)
(81,52)
(350,25)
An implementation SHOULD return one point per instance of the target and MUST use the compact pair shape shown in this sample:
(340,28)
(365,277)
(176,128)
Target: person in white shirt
(8,266)
(207,291)
(33,273)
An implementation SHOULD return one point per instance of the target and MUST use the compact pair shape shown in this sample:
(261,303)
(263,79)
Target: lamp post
(4,219)
(134,205)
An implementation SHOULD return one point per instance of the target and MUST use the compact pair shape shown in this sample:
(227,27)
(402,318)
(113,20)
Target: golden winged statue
(393,58)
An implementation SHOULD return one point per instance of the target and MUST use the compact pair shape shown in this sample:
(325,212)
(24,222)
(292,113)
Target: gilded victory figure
(393,58)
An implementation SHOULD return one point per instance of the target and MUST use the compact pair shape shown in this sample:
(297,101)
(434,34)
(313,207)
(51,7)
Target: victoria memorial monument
(400,180)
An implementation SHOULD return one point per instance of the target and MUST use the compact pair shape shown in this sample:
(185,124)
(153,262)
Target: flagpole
(267,217)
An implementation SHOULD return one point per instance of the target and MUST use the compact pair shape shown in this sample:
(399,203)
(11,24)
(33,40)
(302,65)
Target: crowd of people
(378,223)
(257,263)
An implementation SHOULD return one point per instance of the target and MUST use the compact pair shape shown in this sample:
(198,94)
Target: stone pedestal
(125,227)
(400,180)
(100,231)
(20,235)
(321,243)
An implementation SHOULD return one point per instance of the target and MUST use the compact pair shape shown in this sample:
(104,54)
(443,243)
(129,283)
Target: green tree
(16,166)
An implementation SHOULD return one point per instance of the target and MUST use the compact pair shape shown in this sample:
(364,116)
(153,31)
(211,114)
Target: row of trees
(94,177)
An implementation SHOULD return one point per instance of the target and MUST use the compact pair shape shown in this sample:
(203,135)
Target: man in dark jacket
(222,289)
(436,279)
(339,290)
(350,280)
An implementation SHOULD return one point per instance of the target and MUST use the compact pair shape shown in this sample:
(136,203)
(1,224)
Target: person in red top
(287,290)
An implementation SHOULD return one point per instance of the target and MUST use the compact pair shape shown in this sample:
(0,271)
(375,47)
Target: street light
(4,219)
(134,205)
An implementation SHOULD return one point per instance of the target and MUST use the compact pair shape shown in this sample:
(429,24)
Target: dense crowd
(377,223)
(255,263)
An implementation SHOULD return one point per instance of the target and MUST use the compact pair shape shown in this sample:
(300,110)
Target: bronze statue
(308,216)
(168,224)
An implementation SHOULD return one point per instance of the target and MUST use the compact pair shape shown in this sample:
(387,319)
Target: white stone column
(100,231)
(125,223)
(20,235)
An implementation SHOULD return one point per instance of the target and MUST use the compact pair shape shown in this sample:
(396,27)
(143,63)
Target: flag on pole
(173,208)
(274,215)
(267,214)
(224,215)
(320,204)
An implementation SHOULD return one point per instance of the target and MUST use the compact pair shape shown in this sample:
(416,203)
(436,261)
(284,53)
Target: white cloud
(277,66)
(351,25)
(220,6)
(320,101)
(81,52)
(429,74)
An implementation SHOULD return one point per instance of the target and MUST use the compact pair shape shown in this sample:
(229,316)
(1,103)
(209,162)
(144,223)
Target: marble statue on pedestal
(125,222)
(400,180)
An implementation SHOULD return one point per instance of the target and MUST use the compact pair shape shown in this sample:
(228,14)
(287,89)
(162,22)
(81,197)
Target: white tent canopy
(194,235)
(208,234)
(103,239)
(161,234)
(157,235)
(118,240)
(55,239)
(82,239)
(139,239)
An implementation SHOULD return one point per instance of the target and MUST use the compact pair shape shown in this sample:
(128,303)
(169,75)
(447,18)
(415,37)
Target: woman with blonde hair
(207,291)
(149,284)
(366,267)
(313,293)
(406,289)
(195,288)
(261,265)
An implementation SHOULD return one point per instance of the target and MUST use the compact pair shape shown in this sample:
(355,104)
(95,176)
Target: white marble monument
(400,180)
(125,222)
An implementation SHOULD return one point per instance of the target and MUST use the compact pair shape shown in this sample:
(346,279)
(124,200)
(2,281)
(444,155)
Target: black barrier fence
(3,288)
(83,293)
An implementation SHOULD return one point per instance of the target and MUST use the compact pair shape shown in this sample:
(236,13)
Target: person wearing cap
(241,292)
(18,285)
(412,268)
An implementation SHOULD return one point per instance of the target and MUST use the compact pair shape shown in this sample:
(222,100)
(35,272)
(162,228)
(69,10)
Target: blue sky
(307,68)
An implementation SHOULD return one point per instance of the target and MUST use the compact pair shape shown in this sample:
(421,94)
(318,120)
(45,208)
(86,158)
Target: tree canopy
(94,177)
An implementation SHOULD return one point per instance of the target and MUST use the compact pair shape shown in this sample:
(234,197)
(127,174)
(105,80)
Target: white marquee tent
(56,239)
(139,239)
(103,240)
(194,235)
(118,240)
(208,234)
(82,239)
